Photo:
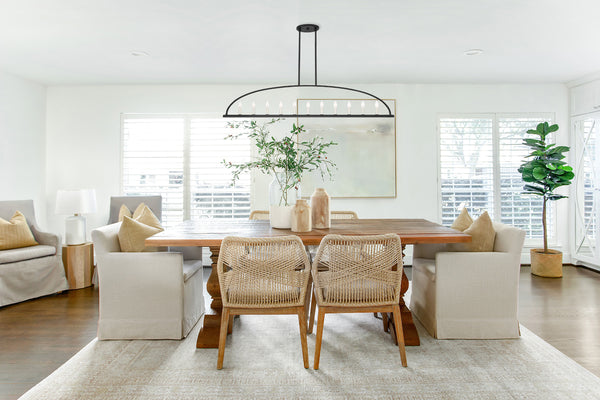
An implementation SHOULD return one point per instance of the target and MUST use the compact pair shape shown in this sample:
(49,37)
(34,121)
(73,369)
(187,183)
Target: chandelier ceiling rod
(306,28)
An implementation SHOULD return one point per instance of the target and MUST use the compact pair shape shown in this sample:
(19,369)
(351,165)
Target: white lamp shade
(72,202)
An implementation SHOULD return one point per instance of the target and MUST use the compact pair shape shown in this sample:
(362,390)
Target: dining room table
(211,232)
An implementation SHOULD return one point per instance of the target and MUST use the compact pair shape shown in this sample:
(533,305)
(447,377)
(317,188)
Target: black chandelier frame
(308,28)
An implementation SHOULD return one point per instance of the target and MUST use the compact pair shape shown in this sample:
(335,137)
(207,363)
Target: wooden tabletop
(210,232)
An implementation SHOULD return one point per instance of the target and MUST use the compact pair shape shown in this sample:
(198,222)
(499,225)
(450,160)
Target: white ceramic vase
(281,203)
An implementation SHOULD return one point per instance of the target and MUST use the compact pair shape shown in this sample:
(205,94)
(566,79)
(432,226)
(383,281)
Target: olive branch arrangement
(287,159)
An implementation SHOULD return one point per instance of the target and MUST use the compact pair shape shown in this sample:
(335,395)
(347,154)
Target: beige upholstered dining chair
(263,276)
(363,274)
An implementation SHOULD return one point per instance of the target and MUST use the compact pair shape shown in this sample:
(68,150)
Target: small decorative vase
(321,215)
(301,217)
(281,203)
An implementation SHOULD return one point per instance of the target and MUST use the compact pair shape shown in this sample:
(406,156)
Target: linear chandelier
(296,112)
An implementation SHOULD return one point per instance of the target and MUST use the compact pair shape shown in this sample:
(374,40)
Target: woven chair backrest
(344,215)
(263,272)
(259,215)
(358,270)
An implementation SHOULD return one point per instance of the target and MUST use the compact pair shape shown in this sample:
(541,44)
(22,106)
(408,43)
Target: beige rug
(358,360)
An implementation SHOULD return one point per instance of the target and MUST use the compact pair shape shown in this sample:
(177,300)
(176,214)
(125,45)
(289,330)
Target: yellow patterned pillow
(133,234)
(15,233)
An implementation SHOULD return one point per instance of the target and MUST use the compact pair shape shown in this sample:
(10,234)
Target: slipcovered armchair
(34,271)
(153,202)
(469,295)
(148,295)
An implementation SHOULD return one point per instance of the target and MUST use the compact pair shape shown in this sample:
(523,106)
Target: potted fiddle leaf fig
(544,171)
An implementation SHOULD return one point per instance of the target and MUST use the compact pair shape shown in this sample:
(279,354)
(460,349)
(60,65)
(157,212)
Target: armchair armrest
(46,238)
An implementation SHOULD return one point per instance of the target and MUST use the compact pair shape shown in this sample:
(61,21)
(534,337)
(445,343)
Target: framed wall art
(365,154)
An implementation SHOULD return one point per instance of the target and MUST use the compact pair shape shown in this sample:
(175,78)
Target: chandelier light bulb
(308,107)
(294,109)
(362,107)
(349,107)
(240,107)
(335,107)
(322,106)
(267,106)
(376,107)
(253,108)
(281,107)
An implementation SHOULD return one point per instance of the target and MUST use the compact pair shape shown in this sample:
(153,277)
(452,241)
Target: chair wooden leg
(400,334)
(386,322)
(313,306)
(320,322)
(302,322)
(223,336)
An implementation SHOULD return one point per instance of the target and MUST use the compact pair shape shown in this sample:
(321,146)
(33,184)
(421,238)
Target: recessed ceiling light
(473,52)
(137,53)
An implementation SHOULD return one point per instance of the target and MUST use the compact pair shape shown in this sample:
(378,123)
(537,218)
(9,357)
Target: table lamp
(75,202)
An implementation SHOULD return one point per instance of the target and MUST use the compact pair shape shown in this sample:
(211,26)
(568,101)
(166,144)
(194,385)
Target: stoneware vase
(548,265)
(319,203)
(281,204)
(301,217)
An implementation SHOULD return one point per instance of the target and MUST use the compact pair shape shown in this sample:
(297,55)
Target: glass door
(587,188)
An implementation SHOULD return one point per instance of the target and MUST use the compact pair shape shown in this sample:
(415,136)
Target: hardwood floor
(565,312)
(38,336)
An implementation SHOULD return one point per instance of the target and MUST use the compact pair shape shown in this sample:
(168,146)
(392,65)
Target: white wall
(23,144)
(83,136)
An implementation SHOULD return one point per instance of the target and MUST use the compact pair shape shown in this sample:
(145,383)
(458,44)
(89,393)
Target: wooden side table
(78,261)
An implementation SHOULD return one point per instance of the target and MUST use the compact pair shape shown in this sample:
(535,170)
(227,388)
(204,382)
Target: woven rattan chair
(259,215)
(344,215)
(364,274)
(263,276)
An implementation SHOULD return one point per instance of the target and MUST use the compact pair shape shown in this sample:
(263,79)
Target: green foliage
(545,171)
(287,155)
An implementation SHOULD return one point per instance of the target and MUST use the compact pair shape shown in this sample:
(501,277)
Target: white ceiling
(65,42)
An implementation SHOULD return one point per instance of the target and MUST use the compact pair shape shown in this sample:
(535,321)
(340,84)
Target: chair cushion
(15,233)
(190,267)
(132,235)
(26,253)
(425,266)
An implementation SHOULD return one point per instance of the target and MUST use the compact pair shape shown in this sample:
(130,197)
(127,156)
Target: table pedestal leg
(411,336)
(208,338)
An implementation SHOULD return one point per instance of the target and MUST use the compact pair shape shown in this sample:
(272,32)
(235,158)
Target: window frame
(495,117)
(187,118)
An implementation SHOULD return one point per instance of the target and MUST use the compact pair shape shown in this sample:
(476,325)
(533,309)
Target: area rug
(263,360)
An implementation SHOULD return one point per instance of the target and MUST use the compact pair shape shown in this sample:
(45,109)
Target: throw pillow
(124,211)
(139,210)
(146,216)
(482,234)
(15,233)
(463,221)
(132,235)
